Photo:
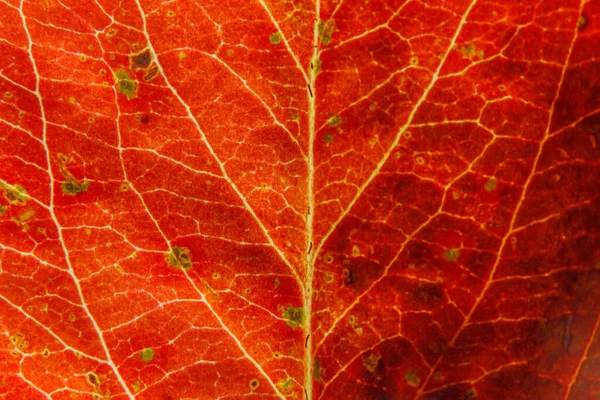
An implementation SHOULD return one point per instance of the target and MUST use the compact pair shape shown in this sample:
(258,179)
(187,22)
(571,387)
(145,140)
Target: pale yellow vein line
(310,270)
(51,332)
(511,228)
(285,41)
(584,357)
(212,152)
(262,101)
(216,315)
(234,337)
(53,215)
(402,129)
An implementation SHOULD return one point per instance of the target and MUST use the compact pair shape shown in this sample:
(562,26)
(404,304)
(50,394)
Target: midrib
(309,259)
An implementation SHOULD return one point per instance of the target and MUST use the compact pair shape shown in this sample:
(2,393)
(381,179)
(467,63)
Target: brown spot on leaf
(151,73)
(141,60)
(348,275)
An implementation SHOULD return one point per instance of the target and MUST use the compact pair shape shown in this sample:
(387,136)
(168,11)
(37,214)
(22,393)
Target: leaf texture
(342,199)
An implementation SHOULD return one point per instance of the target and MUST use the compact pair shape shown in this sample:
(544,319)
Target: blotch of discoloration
(325,29)
(151,73)
(92,379)
(147,354)
(412,378)
(317,372)
(294,316)
(73,187)
(490,185)
(254,384)
(141,60)
(179,257)
(275,38)
(125,85)
(451,254)
(136,386)
(285,384)
(15,194)
(348,276)
(470,50)
(334,121)
(371,362)
(582,22)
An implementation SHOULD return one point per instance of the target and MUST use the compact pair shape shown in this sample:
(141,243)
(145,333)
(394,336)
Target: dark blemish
(567,334)
(317,370)
(305,394)
(328,138)
(582,22)
(151,73)
(308,211)
(429,294)
(311,65)
(310,91)
(72,187)
(309,247)
(306,341)
(141,60)
(348,276)
(254,384)
(93,379)
(144,119)
(179,257)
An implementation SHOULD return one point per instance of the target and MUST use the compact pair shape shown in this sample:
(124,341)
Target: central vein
(309,259)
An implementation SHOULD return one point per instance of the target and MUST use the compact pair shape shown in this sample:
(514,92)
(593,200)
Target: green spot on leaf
(179,257)
(412,378)
(72,187)
(490,185)
(147,354)
(16,195)
(294,316)
(275,38)
(125,85)
(285,384)
(136,386)
(451,254)
(328,138)
(334,121)
(325,29)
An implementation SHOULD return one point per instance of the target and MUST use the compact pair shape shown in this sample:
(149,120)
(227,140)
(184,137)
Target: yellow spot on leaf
(275,38)
(370,363)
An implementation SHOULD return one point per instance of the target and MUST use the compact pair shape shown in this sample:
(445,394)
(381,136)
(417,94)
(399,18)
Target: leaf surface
(300,199)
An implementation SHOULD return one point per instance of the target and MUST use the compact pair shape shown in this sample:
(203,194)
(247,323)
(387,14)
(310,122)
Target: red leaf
(324,200)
